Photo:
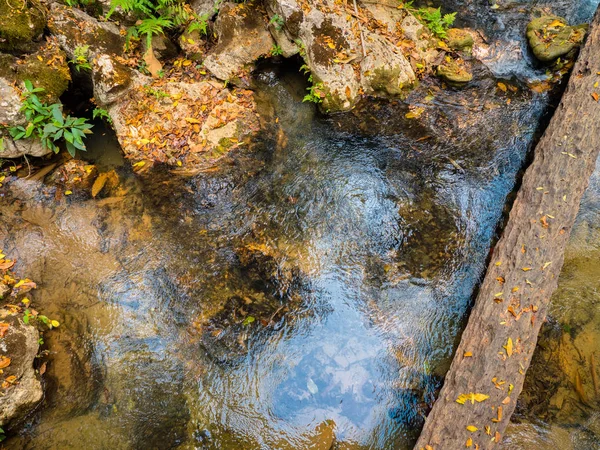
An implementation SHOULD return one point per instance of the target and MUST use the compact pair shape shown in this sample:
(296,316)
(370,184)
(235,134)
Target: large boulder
(243,38)
(185,125)
(345,60)
(20,24)
(20,388)
(74,28)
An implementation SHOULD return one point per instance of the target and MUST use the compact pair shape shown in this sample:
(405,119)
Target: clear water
(307,294)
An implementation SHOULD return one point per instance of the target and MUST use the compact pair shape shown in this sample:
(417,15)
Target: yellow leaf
(68,192)
(40,58)
(546,265)
(462,398)
(509,347)
(139,164)
(55,323)
(192,120)
(515,289)
(510,388)
(19,284)
(468,354)
(498,294)
(472,428)
(331,45)
(498,263)
(25,301)
(526,269)
(469,443)
(556,24)
(502,87)
(179,163)
(187,62)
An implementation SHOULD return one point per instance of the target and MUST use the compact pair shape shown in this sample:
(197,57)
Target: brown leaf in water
(99,184)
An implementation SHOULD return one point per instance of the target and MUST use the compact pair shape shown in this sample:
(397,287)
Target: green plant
(48,123)
(80,60)
(157,93)
(102,114)
(276,50)
(277,22)
(2,434)
(157,16)
(316,93)
(199,24)
(434,20)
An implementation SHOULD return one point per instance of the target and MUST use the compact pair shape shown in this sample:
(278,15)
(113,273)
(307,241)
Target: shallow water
(307,294)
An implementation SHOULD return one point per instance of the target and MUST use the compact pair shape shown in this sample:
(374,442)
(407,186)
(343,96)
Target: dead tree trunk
(487,373)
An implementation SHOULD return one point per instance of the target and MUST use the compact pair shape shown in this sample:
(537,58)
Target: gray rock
(21,394)
(243,38)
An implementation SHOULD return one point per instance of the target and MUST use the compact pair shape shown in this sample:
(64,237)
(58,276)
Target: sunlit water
(308,294)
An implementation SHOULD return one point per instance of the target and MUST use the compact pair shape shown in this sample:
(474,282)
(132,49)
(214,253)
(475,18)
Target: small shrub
(47,123)
(277,22)
(276,50)
(80,60)
(433,19)
(102,114)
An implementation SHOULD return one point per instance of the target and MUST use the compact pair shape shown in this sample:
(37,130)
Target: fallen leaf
(526,269)
(472,428)
(502,87)
(595,96)
(152,64)
(509,347)
(506,401)
(499,418)
(3,329)
(469,443)
(99,184)
(4,362)
(462,398)
(68,192)
(468,354)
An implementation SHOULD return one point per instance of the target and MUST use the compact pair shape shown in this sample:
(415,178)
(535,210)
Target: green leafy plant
(47,123)
(2,434)
(102,114)
(276,50)
(199,24)
(437,23)
(316,93)
(156,93)
(80,59)
(157,16)
(277,22)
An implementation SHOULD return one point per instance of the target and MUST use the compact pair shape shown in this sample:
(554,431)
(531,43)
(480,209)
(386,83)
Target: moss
(459,39)
(386,80)
(550,37)
(20,25)
(454,72)
(47,69)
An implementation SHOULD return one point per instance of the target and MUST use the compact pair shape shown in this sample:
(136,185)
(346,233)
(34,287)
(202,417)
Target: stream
(309,293)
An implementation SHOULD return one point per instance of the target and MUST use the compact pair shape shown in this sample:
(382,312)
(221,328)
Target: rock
(111,79)
(162,46)
(454,71)
(21,390)
(206,8)
(188,125)
(10,103)
(332,49)
(16,149)
(193,44)
(47,68)
(20,24)
(384,69)
(288,48)
(75,175)
(73,28)
(243,38)
(459,39)
(550,37)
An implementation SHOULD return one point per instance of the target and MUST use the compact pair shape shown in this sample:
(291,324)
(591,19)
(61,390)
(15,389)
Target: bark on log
(502,330)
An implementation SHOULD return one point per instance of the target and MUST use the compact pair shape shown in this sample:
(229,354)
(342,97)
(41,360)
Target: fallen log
(488,370)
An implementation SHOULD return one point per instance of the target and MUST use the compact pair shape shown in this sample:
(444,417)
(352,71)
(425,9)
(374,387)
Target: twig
(362,41)
(28,166)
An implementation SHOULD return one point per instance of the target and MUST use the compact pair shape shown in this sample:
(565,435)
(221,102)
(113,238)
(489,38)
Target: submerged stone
(20,388)
(454,71)
(551,37)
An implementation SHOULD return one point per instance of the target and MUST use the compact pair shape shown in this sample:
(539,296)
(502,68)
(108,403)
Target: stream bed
(309,292)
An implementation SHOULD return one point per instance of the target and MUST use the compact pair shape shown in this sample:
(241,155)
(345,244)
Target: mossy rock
(454,71)
(20,24)
(47,69)
(550,37)
(459,39)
